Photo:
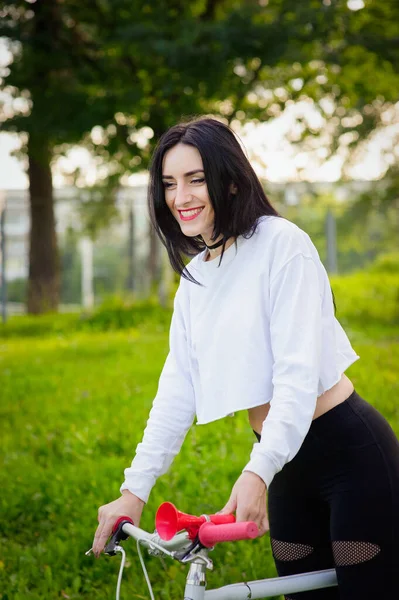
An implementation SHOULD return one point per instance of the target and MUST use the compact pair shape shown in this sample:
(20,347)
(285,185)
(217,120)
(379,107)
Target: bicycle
(189,539)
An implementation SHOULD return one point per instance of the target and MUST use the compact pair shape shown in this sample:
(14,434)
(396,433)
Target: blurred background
(86,90)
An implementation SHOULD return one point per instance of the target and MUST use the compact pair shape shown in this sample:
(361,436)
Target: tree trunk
(44,270)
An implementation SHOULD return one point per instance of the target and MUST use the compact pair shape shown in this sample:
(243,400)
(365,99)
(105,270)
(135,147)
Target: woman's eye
(170,184)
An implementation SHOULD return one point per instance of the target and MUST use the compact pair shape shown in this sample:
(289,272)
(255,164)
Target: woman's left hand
(248,501)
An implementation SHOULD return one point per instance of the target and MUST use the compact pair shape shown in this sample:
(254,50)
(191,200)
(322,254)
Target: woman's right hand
(128,505)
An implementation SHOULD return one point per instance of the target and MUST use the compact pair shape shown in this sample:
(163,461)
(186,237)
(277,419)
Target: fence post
(331,239)
(131,282)
(3,257)
(154,259)
(86,252)
(166,280)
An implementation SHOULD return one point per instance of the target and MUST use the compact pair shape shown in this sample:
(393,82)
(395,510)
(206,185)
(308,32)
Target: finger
(102,534)
(229,508)
(261,532)
(97,536)
(99,514)
(249,512)
(98,531)
(263,527)
(244,514)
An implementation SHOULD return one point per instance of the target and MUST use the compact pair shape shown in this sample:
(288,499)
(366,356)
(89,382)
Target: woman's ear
(233,189)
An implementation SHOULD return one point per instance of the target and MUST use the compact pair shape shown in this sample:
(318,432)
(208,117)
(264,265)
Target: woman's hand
(128,505)
(248,501)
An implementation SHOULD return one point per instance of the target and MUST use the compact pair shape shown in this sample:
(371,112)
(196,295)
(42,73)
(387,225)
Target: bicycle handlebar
(121,520)
(179,541)
(210,534)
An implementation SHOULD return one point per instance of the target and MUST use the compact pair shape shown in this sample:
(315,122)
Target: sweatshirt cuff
(140,486)
(262,466)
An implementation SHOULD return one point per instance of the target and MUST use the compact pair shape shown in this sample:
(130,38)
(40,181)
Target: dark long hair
(224,163)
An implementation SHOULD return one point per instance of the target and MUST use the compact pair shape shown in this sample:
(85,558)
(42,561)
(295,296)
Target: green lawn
(74,406)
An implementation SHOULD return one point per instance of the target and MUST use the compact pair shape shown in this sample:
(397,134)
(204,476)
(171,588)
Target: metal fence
(118,260)
(114,262)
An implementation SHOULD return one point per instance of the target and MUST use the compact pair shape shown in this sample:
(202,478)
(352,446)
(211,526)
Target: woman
(254,328)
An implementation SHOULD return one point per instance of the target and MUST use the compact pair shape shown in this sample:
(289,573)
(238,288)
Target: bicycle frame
(195,588)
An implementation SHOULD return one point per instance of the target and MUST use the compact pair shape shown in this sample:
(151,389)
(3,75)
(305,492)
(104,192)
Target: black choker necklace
(214,246)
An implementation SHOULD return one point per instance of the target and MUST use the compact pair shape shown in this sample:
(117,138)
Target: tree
(55,69)
(131,69)
(134,68)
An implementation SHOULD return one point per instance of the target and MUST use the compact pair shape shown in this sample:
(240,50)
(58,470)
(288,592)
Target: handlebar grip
(119,521)
(211,534)
(117,535)
(221,519)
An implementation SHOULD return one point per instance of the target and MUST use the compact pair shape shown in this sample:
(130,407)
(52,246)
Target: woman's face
(186,192)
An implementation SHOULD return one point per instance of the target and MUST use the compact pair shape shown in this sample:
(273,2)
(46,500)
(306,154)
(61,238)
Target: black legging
(336,505)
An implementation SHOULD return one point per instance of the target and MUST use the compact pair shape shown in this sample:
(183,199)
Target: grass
(73,407)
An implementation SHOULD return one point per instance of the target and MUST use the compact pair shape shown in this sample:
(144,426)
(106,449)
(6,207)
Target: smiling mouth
(188,215)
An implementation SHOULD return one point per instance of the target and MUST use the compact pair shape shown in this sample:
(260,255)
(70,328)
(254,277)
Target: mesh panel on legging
(290,551)
(352,553)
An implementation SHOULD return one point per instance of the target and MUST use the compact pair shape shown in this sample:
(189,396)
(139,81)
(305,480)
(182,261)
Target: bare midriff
(337,394)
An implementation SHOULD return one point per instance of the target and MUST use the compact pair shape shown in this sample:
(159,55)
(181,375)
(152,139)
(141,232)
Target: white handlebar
(153,540)
(265,588)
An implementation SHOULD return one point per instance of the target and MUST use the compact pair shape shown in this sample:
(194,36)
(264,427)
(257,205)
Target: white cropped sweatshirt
(260,329)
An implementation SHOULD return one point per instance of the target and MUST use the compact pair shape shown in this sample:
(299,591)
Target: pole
(153,259)
(331,236)
(131,284)
(166,279)
(3,258)
(86,253)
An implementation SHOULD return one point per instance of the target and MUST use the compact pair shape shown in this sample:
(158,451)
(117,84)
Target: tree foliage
(131,67)
(115,74)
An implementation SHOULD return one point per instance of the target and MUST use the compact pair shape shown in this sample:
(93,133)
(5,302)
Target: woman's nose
(182,198)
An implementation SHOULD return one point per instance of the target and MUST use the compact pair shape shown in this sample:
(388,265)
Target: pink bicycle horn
(169,520)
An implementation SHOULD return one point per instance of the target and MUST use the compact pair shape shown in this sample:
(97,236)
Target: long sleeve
(295,333)
(171,416)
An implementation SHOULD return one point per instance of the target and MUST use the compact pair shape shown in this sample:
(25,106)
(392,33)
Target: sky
(267,145)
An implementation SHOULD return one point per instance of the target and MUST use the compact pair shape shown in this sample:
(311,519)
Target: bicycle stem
(196,581)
